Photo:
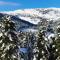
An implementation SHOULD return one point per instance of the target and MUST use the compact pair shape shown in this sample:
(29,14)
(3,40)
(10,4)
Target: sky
(9,5)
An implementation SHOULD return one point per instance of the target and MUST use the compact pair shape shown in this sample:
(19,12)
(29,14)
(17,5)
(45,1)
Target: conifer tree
(54,49)
(41,45)
(46,49)
(58,42)
(8,39)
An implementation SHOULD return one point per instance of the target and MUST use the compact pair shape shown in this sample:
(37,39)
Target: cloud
(9,3)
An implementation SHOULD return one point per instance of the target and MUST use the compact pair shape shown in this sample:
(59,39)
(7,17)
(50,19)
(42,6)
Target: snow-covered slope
(34,15)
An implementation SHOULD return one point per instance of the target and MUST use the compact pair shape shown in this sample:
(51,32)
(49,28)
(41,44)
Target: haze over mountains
(29,18)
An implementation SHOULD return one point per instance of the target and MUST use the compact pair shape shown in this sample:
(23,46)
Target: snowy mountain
(34,16)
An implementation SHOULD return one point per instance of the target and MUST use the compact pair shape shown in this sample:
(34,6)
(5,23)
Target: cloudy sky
(6,5)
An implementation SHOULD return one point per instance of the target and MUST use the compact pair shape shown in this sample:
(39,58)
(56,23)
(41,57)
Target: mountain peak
(34,15)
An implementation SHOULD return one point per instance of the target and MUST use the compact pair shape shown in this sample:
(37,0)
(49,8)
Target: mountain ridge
(35,16)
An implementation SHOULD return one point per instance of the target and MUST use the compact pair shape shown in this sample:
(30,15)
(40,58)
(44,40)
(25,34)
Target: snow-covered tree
(41,45)
(47,44)
(8,39)
(27,40)
(58,42)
